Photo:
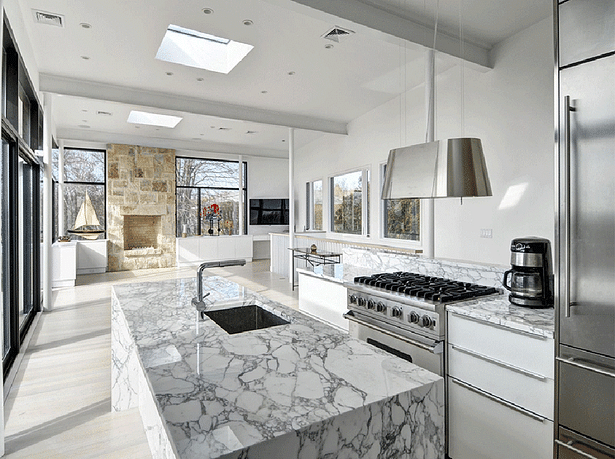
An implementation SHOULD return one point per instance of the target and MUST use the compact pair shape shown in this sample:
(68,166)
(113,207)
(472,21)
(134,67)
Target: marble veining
(363,261)
(500,311)
(302,390)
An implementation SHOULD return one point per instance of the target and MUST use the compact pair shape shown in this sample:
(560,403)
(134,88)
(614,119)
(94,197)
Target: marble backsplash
(365,261)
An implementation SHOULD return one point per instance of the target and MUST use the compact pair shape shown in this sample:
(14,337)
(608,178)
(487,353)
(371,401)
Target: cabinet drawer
(532,391)
(585,30)
(483,428)
(530,352)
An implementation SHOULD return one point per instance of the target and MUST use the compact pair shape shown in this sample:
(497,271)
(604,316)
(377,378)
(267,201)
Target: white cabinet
(192,251)
(323,299)
(500,391)
(92,256)
(64,264)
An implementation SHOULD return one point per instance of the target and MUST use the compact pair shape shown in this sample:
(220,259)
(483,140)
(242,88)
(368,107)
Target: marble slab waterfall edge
(303,390)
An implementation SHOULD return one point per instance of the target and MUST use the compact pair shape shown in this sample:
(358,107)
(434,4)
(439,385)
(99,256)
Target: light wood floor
(60,403)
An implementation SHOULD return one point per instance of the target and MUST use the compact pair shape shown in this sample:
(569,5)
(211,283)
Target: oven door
(422,352)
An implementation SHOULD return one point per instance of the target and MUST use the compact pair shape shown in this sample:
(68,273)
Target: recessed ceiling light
(103,113)
(169,73)
(84,110)
(85,58)
(137,127)
(283,140)
(200,79)
(208,11)
(84,126)
(264,92)
(291,73)
(204,51)
(153,119)
(247,22)
(85,25)
(328,46)
(85,121)
(224,129)
(251,132)
(201,134)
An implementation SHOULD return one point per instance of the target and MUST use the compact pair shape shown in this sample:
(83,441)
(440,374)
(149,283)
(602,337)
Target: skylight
(153,119)
(201,50)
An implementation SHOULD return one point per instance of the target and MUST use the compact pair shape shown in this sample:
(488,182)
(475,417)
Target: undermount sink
(244,318)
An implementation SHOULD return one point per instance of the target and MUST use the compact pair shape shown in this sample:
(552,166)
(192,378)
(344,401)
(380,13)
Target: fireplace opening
(141,231)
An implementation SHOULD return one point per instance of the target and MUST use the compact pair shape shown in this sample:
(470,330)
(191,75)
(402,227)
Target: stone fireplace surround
(141,192)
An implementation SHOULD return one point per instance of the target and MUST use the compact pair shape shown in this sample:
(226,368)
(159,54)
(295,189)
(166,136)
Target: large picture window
(84,172)
(350,203)
(402,217)
(204,182)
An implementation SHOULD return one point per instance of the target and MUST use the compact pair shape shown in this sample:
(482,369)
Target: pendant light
(440,169)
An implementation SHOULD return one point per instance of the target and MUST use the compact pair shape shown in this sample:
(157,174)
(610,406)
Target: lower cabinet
(500,391)
(482,426)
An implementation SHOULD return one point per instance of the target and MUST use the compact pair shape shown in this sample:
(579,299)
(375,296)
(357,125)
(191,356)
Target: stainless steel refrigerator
(585,229)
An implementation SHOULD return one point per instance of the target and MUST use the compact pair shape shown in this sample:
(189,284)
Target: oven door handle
(437,348)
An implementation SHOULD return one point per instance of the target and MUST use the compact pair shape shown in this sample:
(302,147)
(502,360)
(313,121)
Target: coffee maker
(530,280)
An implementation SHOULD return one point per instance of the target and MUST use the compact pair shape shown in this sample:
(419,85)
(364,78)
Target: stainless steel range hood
(443,169)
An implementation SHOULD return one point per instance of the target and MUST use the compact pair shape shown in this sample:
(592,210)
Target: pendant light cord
(431,104)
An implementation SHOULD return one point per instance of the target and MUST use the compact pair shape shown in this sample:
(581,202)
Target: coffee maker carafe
(530,280)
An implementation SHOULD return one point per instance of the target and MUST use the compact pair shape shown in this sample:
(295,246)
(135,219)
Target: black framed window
(401,217)
(201,183)
(20,226)
(84,173)
(349,204)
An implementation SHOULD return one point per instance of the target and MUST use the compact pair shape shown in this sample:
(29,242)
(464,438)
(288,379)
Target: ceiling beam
(76,136)
(57,84)
(383,21)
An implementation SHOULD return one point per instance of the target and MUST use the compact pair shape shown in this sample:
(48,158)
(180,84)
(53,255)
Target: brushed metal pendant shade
(454,168)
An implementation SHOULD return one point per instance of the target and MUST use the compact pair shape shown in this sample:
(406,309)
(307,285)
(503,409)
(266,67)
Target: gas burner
(431,288)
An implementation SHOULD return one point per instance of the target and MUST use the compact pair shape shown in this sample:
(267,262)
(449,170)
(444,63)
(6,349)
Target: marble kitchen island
(300,390)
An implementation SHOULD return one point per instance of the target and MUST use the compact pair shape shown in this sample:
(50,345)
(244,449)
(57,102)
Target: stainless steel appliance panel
(591,216)
(586,29)
(574,446)
(587,394)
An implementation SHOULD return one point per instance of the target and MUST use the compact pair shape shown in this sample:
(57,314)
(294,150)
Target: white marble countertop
(500,311)
(219,393)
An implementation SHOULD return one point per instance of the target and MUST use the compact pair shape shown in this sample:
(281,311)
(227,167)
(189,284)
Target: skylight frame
(201,50)
(153,119)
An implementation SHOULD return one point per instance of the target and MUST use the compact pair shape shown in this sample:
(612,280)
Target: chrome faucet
(199,300)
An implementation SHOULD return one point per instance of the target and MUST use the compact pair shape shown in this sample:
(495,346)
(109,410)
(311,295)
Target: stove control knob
(380,307)
(396,312)
(353,299)
(371,304)
(414,318)
(361,301)
(427,321)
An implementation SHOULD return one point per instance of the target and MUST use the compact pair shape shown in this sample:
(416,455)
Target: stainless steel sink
(244,318)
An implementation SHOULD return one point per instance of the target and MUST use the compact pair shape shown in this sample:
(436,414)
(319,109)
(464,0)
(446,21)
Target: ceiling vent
(53,19)
(336,33)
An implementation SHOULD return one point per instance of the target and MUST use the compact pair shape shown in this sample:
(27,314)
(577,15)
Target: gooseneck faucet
(199,300)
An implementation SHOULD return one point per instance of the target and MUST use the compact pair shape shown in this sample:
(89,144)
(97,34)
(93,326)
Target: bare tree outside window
(203,182)
(347,202)
(317,198)
(402,217)
(84,171)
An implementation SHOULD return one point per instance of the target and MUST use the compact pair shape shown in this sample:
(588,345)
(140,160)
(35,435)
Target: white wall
(510,108)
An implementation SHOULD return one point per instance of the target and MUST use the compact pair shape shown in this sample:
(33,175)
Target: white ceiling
(329,87)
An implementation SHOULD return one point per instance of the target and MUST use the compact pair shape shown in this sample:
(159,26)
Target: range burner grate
(432,288)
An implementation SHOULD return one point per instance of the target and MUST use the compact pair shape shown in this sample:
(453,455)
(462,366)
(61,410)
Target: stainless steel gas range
(403,313)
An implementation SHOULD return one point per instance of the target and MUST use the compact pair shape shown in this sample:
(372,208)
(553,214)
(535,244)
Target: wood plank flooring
(60,403)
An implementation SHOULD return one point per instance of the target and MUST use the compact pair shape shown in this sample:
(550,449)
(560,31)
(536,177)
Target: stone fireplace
(140,207)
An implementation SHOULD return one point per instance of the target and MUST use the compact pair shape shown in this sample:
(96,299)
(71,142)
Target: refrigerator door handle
(568,108)
(587,366)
